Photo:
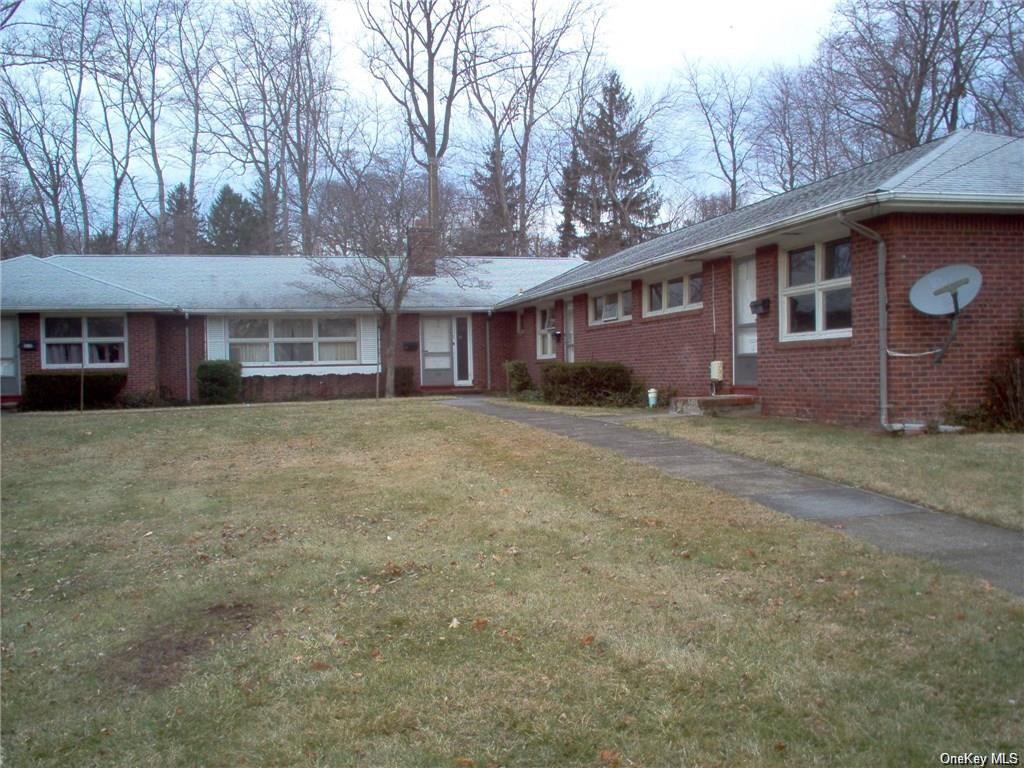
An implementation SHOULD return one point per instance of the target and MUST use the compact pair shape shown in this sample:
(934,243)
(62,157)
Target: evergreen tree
(268,236)
(494,216)
(232,225)
(608,198)
(184,231)
(103,243)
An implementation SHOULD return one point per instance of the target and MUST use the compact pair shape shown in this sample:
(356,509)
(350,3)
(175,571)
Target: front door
(569,333)
(463,352)
(436,364)
(10,381)
(744,369)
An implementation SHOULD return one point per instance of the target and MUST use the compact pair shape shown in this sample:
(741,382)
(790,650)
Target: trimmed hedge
(62,391)
(591,383)
(518,375)
(220,381)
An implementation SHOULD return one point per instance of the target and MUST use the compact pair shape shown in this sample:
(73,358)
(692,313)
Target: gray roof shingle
(965,165)
(240,283)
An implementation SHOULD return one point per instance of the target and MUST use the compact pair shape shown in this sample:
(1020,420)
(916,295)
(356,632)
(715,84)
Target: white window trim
(593,320)
(819,288)
(84,341)
(686,306)
(542,332)
(315,340)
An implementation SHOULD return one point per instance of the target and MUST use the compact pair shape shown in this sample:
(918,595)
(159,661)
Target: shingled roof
(966,166)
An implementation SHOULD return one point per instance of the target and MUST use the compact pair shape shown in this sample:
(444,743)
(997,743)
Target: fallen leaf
(586,640)
(610,757)
(780,746)
(480,624)
(319,666)
(376,655)
(375,589)
(464,762)
(454,624)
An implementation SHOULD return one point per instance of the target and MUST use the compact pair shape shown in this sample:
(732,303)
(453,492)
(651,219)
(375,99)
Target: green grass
(974,475)
(278,586)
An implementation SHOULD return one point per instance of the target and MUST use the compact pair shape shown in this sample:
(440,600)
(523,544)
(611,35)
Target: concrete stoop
(716,405)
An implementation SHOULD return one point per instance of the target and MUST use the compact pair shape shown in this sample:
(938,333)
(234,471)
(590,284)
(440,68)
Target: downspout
(487,347)
(883,320)
(188,360)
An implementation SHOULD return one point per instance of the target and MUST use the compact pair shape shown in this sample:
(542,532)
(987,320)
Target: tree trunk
(389,354)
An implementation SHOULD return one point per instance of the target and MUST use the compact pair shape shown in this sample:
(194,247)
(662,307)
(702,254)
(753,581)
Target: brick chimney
(423,249)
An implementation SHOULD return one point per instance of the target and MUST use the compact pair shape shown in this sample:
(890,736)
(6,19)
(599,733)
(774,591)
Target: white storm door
(437,351)
(744,323)
(10,381)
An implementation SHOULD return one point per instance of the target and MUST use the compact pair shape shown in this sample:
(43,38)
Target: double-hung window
(545,333)
(293,340)
(815,295)
(94,341)
(611,307)
(674,295)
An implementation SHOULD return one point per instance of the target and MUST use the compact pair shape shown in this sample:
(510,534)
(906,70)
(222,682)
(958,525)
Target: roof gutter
(843,208)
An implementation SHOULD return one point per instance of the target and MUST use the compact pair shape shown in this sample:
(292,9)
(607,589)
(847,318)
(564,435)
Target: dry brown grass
(424,586)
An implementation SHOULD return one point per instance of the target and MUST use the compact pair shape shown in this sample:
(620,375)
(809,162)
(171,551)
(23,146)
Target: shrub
(220,381)
(62,391)
(518,375)
(591,383)
(1004,396)
(151,399)
(405,380)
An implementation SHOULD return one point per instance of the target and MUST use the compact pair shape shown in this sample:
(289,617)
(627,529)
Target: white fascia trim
(881,197)
(65,310)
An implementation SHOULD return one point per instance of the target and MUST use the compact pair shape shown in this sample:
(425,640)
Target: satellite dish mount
(944,292)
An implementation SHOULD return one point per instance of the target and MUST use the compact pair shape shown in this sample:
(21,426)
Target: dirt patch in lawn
(160,659)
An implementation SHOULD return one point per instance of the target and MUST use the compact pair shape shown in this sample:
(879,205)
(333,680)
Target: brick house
(801,299)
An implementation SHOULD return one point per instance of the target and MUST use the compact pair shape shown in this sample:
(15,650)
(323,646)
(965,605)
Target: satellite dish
(946,290)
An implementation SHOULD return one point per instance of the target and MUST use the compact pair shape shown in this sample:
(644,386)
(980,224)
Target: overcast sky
(648,40)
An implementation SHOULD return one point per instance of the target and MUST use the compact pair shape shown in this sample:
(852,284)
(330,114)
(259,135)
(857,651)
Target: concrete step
(716,405)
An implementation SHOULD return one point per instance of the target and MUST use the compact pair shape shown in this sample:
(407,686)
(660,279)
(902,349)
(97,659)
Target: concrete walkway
(993,553)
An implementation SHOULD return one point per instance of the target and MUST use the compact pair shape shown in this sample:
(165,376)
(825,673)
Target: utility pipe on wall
(883,319)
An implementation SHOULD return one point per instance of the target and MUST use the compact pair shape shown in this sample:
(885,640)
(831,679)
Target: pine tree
(232,225)
(494,217)
(184,231)
(608,198)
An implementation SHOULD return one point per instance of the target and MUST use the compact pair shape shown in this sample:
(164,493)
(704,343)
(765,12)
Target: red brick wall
(919,389)
(142,351)
(668,352)
(838,380)
(264,389)
(170,337)
(409,331)
(834,380)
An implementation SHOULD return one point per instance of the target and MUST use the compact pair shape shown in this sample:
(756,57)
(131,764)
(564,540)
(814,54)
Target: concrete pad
(932,533)
(768,481)
(984,550)
(833,503)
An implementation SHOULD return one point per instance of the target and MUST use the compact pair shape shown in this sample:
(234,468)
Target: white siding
(216,338)
(368,352)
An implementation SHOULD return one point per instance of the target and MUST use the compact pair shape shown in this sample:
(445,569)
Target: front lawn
(405,584)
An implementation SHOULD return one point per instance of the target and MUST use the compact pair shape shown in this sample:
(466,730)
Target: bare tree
(34,133)
(366,214)
(138,33)
(724,103)
(416,50)
(72,33)
(191,61)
